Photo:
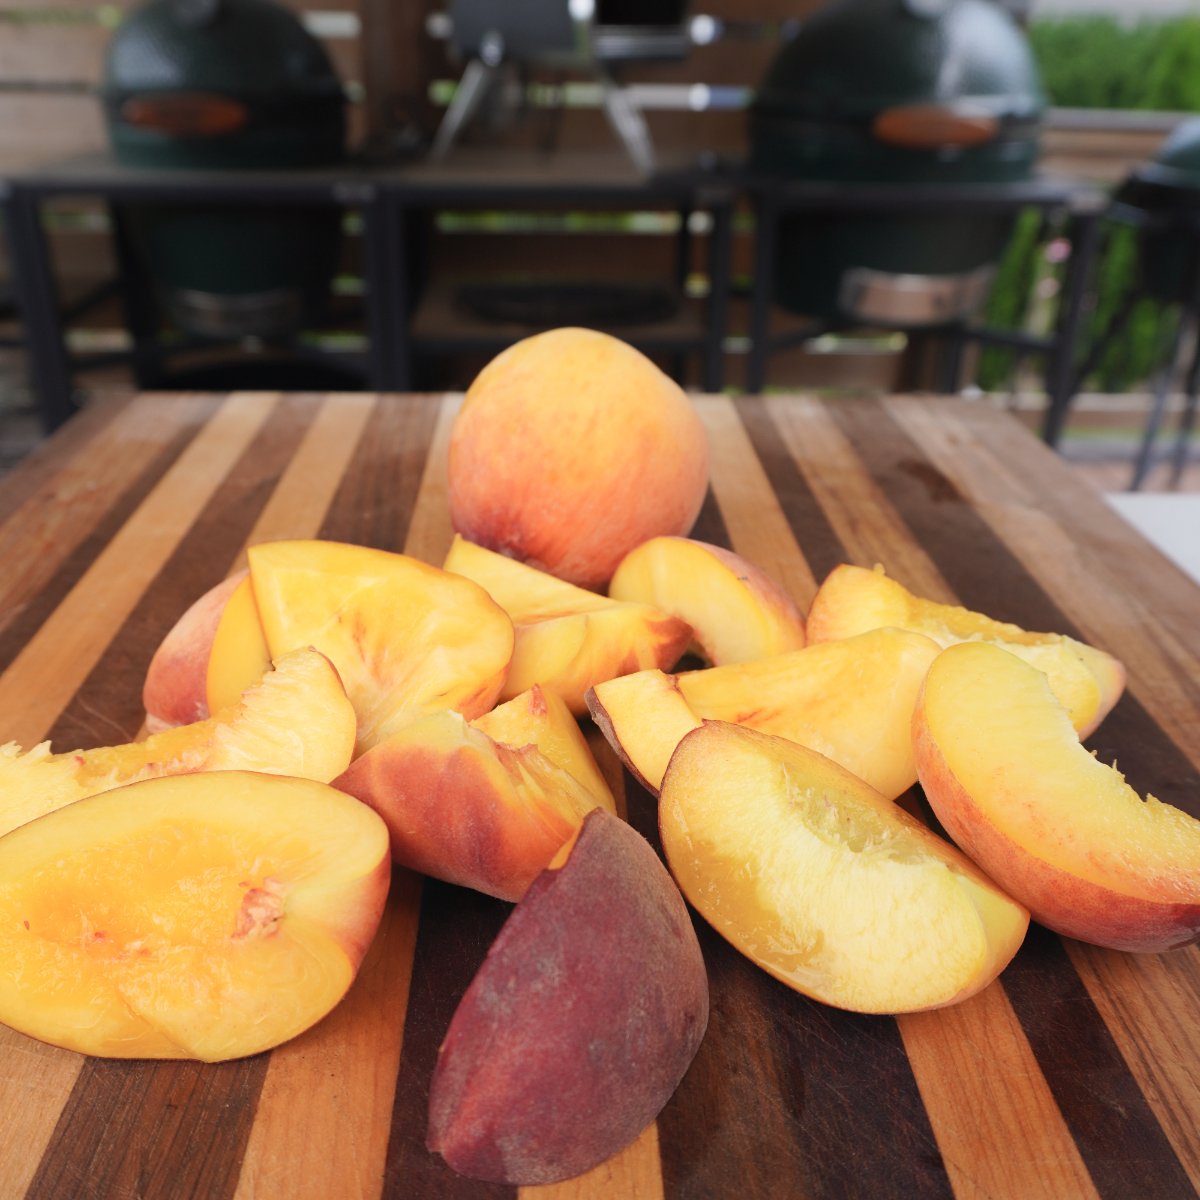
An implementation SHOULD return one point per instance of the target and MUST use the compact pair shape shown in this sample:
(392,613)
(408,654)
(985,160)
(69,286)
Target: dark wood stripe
(1126,1151)
(374,504)
(107,709)
(819,542)
(457,926)
(104,1145)
(1056,1012)
(21,628)
(710,524)
(817,1063)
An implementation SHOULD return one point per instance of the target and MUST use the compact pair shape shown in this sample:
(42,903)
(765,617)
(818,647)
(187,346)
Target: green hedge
(1100,62)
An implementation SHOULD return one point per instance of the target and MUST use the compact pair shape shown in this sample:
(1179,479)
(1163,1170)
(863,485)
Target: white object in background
(1171,521)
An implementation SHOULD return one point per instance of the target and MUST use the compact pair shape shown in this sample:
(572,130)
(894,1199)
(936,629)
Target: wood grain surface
(1077,1074)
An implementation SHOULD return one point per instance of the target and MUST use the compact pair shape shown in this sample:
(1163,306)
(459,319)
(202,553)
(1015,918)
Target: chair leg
(1187,419)
(1162,393)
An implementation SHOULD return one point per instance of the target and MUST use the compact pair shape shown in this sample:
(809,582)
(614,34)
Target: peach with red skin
(570,449)
(580,1023)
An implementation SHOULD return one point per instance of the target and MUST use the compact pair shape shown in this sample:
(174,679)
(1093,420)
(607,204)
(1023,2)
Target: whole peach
(570,449)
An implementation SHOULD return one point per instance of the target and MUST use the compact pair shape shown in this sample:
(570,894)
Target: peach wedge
(850,700)
(737,612)
(581,1021)
(1006,775)
(469,808)
(297,721)
(568,638)
(825,884)
(206,916)
(853,599)
(406,638)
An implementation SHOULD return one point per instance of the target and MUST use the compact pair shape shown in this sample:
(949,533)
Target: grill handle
(934,126)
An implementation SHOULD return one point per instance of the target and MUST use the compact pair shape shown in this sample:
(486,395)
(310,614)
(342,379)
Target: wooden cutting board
(1076,1075)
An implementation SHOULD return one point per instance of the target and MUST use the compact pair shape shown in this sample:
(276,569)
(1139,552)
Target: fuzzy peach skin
(462,807)
(407,638)
(1089,681)
(1063,833)
(296,721)
(207,916)
(175,688)
(570,449)
(581,1022)
(737,612)
(850,700)
(823,882)
(566,637)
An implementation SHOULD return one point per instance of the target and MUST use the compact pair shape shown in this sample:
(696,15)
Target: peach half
(296,721)
(850,700)
(581,1021)
(571,447)
(568,638)
(465,806)
(407,638)
(1005,773)
(737,612)
(206,916)
(824,883)
(853,599)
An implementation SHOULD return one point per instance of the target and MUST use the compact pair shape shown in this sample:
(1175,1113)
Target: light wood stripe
(861,514)
(967,1059)
(36,1079)
(753,518)
(430,531)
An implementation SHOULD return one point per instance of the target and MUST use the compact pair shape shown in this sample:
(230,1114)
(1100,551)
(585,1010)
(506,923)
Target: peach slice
(581,1022)
(238,655)
(823,882)
(297,721)
(174,691)
(853,599)
(737,612)
(467,808)
(542,719)
(572,447)
(1005,772)
(206,916)
(850,700)
(406,638)
(568,638)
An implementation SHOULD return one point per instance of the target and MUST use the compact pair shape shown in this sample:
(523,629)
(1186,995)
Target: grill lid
(921,72)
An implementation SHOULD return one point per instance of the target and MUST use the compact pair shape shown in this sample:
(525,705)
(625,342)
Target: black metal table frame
(387,200)
(1081,204)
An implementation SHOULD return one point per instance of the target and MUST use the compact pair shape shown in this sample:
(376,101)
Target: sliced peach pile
(853,599)
(407,639)
(1005,772)
(475,809)
(297,721)
(206,916)
(582,1020)
(823,882)
(568,638)
(737,612)
(850,700)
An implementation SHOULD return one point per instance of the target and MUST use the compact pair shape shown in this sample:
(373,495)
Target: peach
(297,721)
(581,1021)
(850,700)
(824,883)
(570,449)
(407,638)
(566,637)
(1005,772)
(174,691)
(464,807)
(737,612)
(852,599)
(205,916)
(238,654)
